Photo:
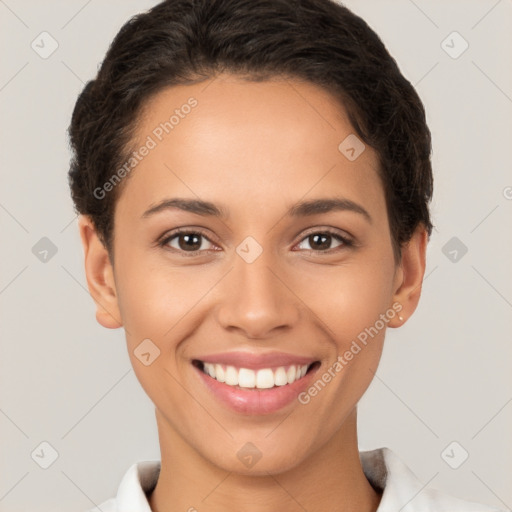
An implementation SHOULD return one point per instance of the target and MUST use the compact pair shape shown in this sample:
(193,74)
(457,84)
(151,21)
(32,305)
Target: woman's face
(267,285)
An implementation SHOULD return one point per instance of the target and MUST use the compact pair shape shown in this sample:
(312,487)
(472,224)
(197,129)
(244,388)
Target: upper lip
(256,361)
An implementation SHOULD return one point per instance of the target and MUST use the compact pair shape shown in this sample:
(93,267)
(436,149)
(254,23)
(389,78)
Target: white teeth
(220,375)
(280,377)
(290,374)
(246,378)
(209,369)
(262,379)
(231,376)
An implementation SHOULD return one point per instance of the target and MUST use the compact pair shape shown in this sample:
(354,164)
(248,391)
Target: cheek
(347,298)
(154,296)
(353,302)
(159,305)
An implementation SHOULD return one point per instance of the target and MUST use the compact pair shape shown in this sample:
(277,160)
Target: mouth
(255,378)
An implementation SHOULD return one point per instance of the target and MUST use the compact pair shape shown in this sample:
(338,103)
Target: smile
(254,383)
(263,378)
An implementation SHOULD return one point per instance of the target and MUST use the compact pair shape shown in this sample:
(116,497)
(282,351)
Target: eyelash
(346,242)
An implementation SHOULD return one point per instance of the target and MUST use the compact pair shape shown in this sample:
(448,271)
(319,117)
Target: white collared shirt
(401,490)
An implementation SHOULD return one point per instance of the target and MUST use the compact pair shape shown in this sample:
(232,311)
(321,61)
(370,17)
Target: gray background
(445,376)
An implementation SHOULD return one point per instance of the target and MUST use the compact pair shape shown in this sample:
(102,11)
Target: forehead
(228,137)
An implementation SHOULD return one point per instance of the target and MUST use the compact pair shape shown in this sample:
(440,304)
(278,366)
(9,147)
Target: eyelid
(329,230)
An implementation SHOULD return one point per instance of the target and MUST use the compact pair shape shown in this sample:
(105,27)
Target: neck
(330,479)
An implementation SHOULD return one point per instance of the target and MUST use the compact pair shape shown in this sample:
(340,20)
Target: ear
(100,275)
(409,276)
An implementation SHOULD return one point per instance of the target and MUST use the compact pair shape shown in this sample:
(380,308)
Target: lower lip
(254,400)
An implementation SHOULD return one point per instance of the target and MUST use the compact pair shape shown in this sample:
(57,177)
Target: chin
(261,465)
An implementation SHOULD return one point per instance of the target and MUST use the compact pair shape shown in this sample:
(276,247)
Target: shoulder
(401,490)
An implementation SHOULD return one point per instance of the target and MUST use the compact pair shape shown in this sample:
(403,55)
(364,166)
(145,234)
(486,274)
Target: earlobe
(409,276)
(100,275)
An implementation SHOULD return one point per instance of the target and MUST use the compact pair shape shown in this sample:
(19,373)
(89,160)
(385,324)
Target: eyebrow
(301,209)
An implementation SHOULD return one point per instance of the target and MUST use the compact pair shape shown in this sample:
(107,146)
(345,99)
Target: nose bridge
(256,300)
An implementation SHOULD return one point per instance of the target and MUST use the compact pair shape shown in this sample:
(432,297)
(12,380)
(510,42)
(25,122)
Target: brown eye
(186,241)
(321,241)
(190,242)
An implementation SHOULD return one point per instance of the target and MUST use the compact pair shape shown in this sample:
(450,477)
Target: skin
(256,149)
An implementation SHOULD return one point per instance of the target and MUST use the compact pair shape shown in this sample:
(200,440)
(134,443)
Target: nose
(257,300)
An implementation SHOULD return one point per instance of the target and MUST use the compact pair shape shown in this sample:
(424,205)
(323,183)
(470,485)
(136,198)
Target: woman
(253,180)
